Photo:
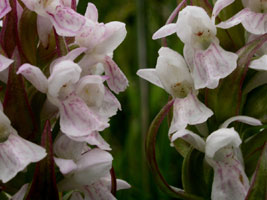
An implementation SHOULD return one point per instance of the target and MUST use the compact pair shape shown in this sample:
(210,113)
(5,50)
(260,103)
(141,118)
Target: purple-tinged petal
(4,8)
(151,76)
(115,32)
(15,154)
(195,140)
(110,105)
(117,81)
(94,139)
(65,166)
(210,65)
(92,165)
(4,63)
(76,119)
(91,12)
(253,22)
(98,191)
(188,110)
(222,153)
(66,148)
(21,193)
(244,119)
(44,28)
(35,76)
(164,31)
(66,21)
(259,64)
(218,6)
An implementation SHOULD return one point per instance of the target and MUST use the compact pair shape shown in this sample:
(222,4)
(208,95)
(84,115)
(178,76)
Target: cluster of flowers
(204,63)
(76,94)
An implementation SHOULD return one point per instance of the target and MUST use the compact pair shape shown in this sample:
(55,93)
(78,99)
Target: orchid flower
(172,74)
(101,40)
(85,105)
(57,14)
(15,152)
(4,8)
(85,170)
(207,61)
(223,154)
(253,17)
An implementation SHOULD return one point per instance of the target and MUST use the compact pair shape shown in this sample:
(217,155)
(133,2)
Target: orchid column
(216,79)
(66,101)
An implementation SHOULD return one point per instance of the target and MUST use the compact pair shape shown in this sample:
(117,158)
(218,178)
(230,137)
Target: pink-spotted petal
(218,6)
(4,8)
(259,64)
(35,76)
(15,154)
(210,65)
(117,81)
(4,63)
(65,166)
(195,140)
(164,31)
(44,28)
(115,32)
(222,153)
(91,12)
(221,138)
(151,76)
(253,22)
(98,191)
(77,120)
(66,21)
(188,110)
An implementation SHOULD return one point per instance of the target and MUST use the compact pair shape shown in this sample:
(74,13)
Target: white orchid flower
(85,105)
(101,40)
(172,74)
(15,152)
(57,14)
(253,17)
(4,64)
(223,154)
(85,170)
(207,61)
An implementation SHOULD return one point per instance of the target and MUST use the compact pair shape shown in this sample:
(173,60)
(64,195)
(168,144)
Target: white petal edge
(244,119)
(65,166)
(21,193)
(218,6)
(195,140)
(35,76)
(151,76)
(164,31)
(259,64)
(5,8)
(91,12)
(4,63)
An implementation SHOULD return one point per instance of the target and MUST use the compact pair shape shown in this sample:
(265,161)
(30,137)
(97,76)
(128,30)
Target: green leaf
(251,149)
(197,175)
(181,146)
(44,185)
(16,104)
(150,147)
(3,196)
(28,35)
(258,188)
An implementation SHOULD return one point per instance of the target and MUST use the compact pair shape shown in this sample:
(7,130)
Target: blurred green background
(141,101)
